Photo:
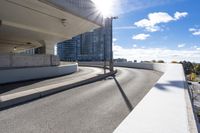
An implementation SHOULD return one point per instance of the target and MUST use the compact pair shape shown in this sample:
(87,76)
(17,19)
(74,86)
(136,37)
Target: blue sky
(158,29)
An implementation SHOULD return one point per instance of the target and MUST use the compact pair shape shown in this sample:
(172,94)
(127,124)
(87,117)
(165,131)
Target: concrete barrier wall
(5,60)
(55,61)
(17,60)
(162,67)
(166,108)
(94,64)
(22,74)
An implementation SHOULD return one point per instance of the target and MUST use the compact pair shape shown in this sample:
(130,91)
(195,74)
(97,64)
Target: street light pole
(111,41)
(104,53)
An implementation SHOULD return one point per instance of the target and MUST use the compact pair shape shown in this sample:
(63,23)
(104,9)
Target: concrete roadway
(94,108)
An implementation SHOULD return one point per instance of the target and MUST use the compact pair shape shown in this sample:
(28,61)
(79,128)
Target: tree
(174,62)
(160,61)
(188,67)
(197,68)
(192,76)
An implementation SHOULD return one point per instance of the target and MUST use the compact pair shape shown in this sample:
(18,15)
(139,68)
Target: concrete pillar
(48,47)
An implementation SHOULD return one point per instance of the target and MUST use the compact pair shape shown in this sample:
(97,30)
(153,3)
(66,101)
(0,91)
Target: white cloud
(156,18)
(195,32)
(195,47)
(125,6)
(114,39)
(124,27)
(181,45)
(134,45)
(118,7)
(148,54)
(140,36)
(179,15)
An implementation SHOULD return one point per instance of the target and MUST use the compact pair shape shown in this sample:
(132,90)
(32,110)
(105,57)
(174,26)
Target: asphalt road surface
(94,108)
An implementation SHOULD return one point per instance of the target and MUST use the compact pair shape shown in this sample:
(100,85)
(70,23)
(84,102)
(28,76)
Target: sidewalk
(82,73)
(18,93)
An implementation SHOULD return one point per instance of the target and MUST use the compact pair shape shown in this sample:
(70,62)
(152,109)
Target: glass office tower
(90,46)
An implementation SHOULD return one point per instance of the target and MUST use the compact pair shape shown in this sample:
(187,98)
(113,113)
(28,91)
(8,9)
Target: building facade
(89,46)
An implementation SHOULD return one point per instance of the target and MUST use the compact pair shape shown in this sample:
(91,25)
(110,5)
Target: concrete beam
(30,21)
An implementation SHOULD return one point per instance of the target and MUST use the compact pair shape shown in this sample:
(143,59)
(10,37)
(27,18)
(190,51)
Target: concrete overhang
(30,21)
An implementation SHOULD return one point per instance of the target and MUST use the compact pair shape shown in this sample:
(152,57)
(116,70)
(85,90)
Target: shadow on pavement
(177,84)
(128,103)
(16,85)
(12,86)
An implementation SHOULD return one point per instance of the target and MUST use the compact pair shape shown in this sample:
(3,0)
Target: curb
(7,101)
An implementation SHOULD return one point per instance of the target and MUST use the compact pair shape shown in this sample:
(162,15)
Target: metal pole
(104,54)
(111,41)
(76,51)
(111,52)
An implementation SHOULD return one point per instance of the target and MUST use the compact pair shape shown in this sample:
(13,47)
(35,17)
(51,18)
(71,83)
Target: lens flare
(104,7)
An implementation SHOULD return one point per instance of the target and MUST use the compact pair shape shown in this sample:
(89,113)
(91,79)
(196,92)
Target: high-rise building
(68,47)
(90,46)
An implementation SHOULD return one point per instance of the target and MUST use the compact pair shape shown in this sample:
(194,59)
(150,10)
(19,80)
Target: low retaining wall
(22,74)
(18,60)
(166,108)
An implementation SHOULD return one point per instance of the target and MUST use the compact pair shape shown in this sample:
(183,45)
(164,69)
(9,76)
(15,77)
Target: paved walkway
(82,74)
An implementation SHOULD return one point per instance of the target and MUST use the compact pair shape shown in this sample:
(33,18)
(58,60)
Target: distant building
(69,47)
(29,51)
(88,46)
(120,60)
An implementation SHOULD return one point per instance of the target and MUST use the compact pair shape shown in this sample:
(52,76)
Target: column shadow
(178,84)
(128,103)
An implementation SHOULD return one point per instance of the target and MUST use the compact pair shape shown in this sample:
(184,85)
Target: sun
(104,7)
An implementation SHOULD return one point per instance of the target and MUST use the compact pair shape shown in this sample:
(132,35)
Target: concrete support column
(48,47)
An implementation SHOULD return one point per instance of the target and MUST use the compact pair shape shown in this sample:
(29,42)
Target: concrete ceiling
(30,21)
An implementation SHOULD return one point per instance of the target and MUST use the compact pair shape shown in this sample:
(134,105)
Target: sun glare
(104,7)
